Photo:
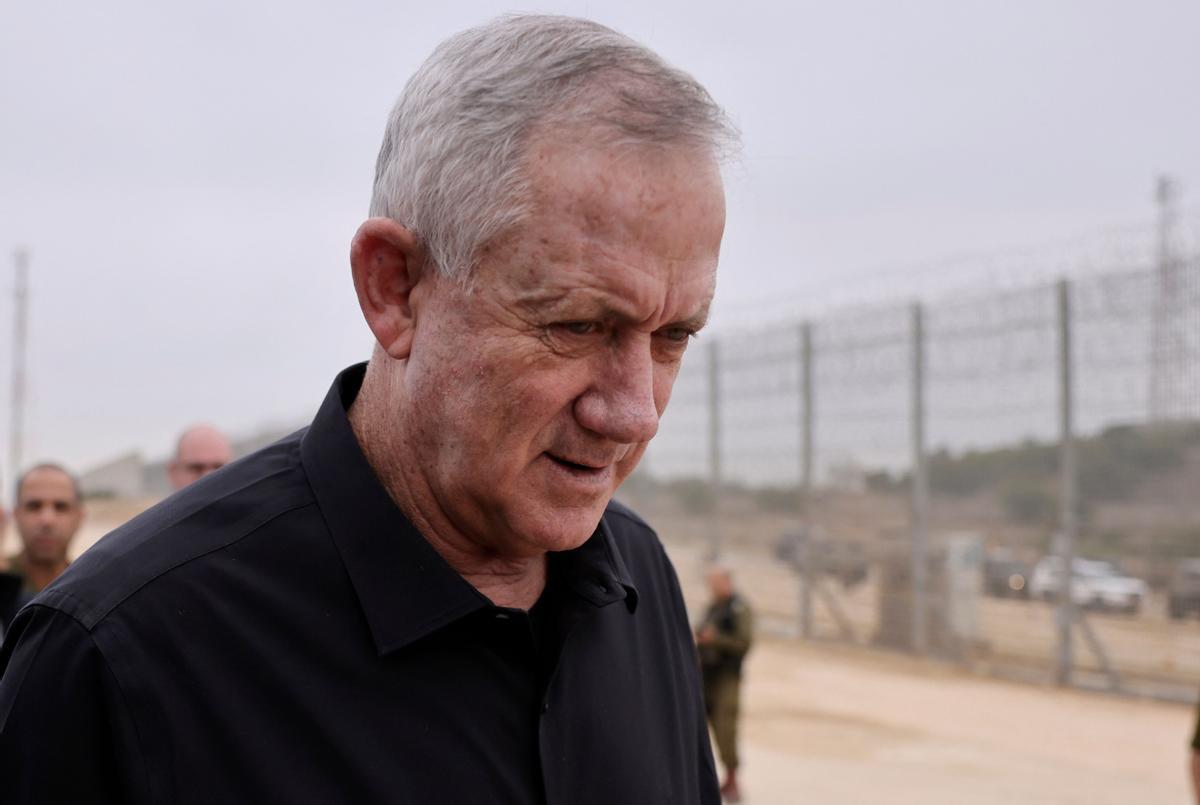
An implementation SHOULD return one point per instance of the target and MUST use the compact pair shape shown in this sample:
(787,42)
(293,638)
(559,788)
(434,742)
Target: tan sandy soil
(835,725)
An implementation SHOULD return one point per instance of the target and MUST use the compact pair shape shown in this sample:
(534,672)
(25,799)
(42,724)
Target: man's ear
(386,260)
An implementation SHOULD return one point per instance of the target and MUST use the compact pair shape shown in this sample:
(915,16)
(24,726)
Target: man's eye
(580,327)
(676,334)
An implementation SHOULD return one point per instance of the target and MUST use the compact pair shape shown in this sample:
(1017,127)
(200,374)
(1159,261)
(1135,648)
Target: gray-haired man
(427,595)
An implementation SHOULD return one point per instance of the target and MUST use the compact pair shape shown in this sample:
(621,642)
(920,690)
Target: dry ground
(832,725)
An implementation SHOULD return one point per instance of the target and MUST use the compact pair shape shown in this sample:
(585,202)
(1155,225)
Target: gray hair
(451,167)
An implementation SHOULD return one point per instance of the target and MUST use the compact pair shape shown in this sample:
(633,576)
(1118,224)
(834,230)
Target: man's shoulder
(635,540)
(192,525)
(626,524)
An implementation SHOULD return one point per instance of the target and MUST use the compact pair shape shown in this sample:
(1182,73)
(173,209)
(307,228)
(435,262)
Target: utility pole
(1167,358)
(20,330)
(714,450)
(805,554)
(920,490)
(1069,479)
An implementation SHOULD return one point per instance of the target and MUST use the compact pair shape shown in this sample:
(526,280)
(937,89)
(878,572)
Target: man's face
(47,516)
(201,450)
(534,394)
(720,584)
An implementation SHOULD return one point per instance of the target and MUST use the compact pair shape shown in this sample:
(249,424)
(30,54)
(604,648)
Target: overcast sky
(187,176)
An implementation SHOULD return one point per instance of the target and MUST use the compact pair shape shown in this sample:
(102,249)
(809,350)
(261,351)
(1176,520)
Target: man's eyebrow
(542,297)
(694,323)
(574,302)
(587,305)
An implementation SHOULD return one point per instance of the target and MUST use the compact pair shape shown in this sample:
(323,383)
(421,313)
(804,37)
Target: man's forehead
(202,448)
(203,441)
(47,483)
(591,191)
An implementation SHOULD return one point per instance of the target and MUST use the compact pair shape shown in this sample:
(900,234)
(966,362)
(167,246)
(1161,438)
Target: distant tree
(1029,501)
(1176,543)
(694,495)
(883,482)
(778,499)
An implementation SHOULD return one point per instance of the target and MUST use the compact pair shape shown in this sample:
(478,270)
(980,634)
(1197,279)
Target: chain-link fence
(920,476)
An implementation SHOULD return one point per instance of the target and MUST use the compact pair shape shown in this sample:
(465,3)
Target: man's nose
(620,404)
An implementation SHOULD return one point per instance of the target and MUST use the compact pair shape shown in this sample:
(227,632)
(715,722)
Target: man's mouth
(583,469)
(577,466)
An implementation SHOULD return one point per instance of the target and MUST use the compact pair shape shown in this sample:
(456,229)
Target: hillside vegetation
(1139,492)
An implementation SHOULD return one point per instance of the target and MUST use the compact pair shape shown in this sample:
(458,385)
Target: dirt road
(833,725)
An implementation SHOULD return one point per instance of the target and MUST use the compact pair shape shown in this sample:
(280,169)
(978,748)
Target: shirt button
(545,707)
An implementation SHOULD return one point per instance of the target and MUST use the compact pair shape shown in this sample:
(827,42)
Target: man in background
(10,583)
(48,513)
(724,638)
(201,449)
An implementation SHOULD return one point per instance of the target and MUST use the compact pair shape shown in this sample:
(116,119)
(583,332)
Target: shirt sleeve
(65,734)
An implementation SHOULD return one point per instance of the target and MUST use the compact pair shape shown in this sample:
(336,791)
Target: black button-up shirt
(279,632)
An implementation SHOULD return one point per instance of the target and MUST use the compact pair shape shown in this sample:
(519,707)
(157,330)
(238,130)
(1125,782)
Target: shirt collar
(596,570)
(405,588)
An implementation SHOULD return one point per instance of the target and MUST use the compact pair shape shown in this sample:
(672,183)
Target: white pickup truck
(1095,584)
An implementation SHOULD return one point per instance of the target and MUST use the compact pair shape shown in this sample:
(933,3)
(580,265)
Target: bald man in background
(201,449)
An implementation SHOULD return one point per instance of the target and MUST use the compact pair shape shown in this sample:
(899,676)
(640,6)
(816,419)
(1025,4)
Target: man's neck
(508,581)
(39,574)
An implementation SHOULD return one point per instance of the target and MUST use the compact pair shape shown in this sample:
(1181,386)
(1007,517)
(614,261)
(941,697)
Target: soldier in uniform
(723,638)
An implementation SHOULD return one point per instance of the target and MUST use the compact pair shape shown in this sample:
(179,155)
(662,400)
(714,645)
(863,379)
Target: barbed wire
(991,363)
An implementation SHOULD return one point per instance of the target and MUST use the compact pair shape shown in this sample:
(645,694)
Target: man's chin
(563,530)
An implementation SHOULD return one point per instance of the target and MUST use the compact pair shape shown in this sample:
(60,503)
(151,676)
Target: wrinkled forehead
(642,226)
(570,170)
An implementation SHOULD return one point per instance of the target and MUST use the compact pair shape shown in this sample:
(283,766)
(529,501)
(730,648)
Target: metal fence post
(920,489)
(1068,482)
(804,554)
(19,357)
(714,450)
